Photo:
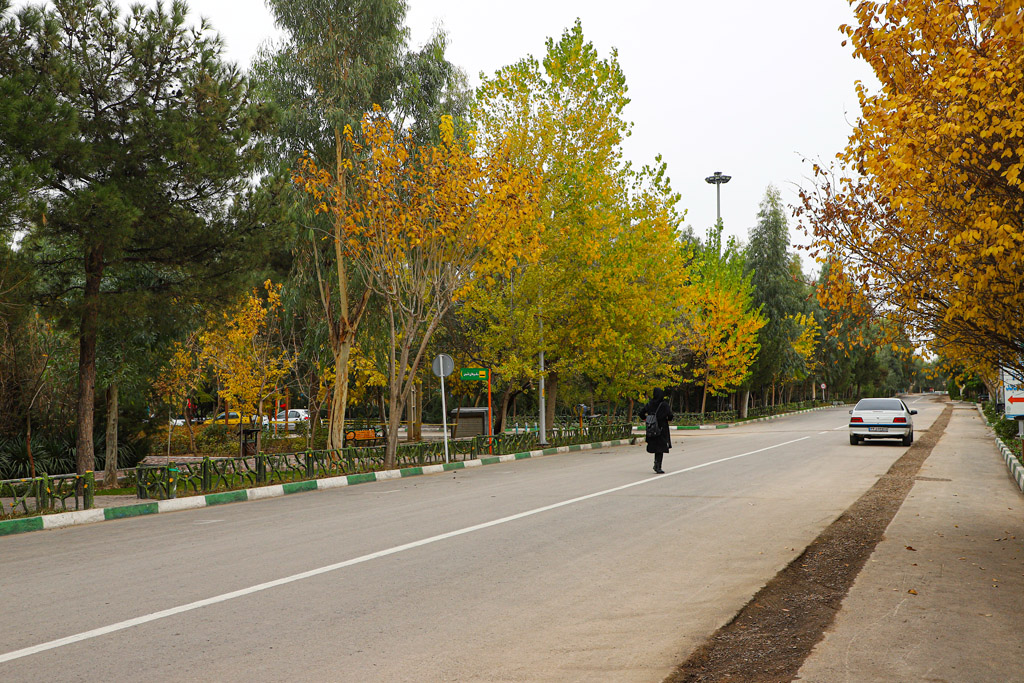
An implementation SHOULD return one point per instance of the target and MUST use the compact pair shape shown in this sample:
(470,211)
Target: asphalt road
(579,566)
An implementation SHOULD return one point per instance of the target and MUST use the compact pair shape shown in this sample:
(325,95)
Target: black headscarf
(656,401)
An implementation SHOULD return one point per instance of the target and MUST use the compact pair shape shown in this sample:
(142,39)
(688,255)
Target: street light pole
(717,180)
(542,399)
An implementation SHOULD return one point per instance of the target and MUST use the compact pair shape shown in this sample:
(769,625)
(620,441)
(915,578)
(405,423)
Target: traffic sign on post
(1013,389)
(473,374)
(443,365)
(480,374)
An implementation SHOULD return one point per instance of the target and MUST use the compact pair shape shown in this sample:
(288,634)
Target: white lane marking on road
(224,597)
(840,427)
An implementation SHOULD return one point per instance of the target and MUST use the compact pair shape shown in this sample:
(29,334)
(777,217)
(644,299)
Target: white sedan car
(288,419)
(882,418)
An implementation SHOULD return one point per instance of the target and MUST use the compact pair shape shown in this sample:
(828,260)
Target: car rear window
(879,404)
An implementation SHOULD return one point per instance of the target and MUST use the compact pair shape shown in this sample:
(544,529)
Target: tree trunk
(28,444)
(704,396)
(551,388)
(410,417)
(217,404)
(339,396)
(506,398)
(629,418)
(110,463)
(188,426)
(314,418)
(744,402)
(403,371)
(85,457)
(394,422)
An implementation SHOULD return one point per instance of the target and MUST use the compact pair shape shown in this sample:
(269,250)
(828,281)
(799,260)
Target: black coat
(663,411)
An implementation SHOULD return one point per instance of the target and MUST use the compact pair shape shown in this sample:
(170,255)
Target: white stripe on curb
(265,492)
(64,519)
(331,483)
(175,504)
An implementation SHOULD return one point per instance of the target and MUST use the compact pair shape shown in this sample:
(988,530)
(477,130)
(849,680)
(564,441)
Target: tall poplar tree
(773,290)
(337,61)
(610,264)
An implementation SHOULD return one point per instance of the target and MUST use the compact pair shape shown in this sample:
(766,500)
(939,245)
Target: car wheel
(908,439)
(854,440)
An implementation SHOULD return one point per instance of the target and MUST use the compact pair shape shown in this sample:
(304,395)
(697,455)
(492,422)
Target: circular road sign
(443,365)
(822,385)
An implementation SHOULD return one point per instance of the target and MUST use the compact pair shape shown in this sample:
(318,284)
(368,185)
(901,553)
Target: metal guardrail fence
(21,497)
(229,474)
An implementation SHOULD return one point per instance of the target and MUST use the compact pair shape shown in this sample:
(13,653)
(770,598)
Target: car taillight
(899,419)
(856,419)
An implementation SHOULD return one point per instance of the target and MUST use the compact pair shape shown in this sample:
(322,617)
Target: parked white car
(288,419)
(882,418)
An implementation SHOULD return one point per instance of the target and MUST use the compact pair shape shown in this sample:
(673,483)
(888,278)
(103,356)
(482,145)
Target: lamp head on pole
(717,178)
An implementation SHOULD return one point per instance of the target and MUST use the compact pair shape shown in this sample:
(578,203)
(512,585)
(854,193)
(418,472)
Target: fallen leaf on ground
(912,591)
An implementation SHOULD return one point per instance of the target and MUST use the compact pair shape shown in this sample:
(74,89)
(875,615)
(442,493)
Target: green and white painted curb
(742,422)
(1012,463)
(65,519)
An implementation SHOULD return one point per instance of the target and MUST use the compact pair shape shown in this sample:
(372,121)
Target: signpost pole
(490,424)
(442,367)
(444,419)
(542,407)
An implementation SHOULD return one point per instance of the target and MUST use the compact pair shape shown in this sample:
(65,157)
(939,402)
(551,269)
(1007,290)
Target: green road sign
(472,374)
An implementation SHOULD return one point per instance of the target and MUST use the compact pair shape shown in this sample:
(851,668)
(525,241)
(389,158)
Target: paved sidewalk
(942,597)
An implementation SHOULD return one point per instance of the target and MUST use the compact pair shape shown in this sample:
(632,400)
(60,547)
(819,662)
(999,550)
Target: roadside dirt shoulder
(769,639)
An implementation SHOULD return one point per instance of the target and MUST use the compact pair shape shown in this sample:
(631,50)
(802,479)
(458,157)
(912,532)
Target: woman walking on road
(658,439)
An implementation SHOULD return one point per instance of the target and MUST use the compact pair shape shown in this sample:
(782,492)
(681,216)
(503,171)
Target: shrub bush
(217,440)
(1005,429)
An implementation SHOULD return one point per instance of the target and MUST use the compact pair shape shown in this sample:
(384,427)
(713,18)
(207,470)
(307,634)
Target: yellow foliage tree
(426,223)
(243,354)
(179,380)
(606,281)
(721,333)
(922,220)
(804,345)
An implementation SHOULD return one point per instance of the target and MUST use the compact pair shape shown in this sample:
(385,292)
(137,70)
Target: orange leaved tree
(922,220)
(425,223)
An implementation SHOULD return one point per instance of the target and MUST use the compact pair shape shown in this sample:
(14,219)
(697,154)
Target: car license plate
(878,429)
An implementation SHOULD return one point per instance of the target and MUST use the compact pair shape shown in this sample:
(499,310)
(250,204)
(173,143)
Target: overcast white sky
(746,87)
